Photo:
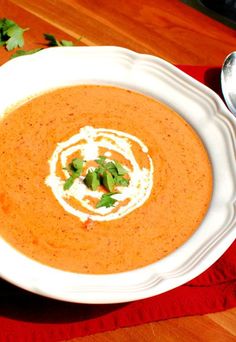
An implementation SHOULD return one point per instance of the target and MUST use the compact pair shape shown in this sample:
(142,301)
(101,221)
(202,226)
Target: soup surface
(168,179)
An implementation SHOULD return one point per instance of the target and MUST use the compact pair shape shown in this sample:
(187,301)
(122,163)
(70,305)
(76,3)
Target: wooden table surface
(169,29)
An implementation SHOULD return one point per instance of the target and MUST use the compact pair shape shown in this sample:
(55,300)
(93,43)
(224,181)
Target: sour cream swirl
(88,143)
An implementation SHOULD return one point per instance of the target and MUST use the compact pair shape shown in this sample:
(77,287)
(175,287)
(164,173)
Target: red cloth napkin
(28,317)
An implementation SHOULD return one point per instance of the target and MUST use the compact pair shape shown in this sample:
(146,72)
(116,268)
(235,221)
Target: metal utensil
(228,81)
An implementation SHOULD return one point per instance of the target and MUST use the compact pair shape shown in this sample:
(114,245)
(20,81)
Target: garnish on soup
(108,174)
(111,166)
(75,169)
(106,200)
(163,182)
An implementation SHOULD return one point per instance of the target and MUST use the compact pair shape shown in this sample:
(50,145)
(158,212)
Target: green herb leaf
(92,180)
(19,53)
(120,169)
(2,23)
(68,183)
(106,200)
(100,170)
(11,35)
(101,161)
(113,167)
(16,38)
(52,41)
(6,24)
(64,42)
(119,180)
(110,166)
(75,169)
(112,173)
(77,164)
(108,181)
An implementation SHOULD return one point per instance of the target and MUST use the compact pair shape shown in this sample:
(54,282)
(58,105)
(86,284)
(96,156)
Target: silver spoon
(228,81)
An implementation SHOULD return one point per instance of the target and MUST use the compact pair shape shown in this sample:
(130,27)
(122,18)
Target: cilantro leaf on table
(16,38)
(11,34)
(106,200)
(52,41)
(19,53)
(64,42)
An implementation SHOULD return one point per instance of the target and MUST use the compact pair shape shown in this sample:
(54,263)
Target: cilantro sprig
(108,174)
(112,173)
(92,180)
(11,34)
(106,200)
(75,169)
(52,41)
(19,53)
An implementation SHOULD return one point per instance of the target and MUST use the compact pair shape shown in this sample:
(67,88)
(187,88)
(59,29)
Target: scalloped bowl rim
(155,77)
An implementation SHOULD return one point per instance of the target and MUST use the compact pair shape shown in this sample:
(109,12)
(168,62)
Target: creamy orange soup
(165,202)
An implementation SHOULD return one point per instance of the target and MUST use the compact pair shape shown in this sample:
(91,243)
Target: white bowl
(201,107)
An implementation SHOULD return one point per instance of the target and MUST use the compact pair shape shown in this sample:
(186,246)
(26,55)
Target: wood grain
(37,27)
(208,328)
(168,29)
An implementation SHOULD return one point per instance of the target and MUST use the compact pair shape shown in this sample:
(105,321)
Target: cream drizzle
(87,142)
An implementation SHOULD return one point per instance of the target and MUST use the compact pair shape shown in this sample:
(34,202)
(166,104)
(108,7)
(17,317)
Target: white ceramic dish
(201,107)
